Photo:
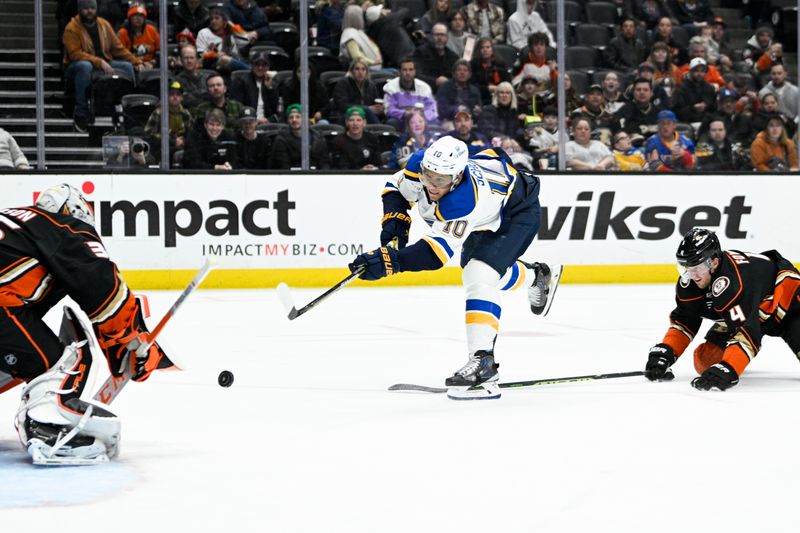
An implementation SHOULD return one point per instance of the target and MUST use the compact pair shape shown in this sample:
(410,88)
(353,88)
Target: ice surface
(308,439)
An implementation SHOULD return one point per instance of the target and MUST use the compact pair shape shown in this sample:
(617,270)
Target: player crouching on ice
(48,251)
(747,295)
(483,204)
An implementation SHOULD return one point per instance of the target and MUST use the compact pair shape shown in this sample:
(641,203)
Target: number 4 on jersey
(737,314)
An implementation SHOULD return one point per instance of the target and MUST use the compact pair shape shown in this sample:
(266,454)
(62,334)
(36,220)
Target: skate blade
(484,391)
(555,278)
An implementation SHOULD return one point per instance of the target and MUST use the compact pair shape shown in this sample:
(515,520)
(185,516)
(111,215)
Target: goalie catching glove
(659,361)
(395,226)
(131,339)
(376,264)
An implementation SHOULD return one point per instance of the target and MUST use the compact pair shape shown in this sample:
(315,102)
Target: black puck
(225,378)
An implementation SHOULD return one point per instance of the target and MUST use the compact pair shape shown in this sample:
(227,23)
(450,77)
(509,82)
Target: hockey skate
(476,380)
(543,290)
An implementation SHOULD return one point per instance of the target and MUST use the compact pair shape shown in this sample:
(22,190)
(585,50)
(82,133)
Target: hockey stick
(113,385)
(519,384)
(288,301)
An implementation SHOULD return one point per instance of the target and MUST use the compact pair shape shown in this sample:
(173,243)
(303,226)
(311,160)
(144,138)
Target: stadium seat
(150,82)
(136,109)
(282,76)
(108,89)
(573,11)
(681,36)
(685,129)
(380,79)
(595,35)
(582,57)
(278,58)
(385,133)
(580,81)
(568,37)
(285,35)
(272,128)
(601,13)
(416,8)
(330,78)
(507,54)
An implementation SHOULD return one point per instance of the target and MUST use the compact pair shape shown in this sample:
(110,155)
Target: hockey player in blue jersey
(488,209)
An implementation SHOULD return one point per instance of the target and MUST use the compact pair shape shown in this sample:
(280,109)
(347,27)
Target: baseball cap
(595,87)
(259,56)
(294,108)
(137,9)
(247,113)
(720,21)
(764,29)
(463,109)
(355,110)
(646,66)
(727,93)
(666,115)
(373,13)
(176,86)
(187,33)
(697,62)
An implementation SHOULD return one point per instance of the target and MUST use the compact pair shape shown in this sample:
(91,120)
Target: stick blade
(416,388)
(285,296)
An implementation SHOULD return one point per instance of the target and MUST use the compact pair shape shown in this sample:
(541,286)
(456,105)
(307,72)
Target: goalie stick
(288,302)
(113,385)
(520,384)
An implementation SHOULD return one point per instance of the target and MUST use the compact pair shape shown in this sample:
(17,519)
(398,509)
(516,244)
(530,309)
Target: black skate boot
(477,380)
(543,289)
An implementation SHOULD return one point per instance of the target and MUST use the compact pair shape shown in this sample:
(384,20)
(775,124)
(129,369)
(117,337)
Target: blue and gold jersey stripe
(440,248)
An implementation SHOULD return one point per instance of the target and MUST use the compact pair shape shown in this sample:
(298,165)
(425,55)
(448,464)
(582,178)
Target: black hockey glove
(721,376)
(395,226)
(659,361)
(377,264)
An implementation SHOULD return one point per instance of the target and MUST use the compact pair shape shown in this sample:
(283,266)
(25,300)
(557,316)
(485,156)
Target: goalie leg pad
(56,426)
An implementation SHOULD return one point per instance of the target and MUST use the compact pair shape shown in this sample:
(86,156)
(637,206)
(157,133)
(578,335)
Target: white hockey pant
(483,286)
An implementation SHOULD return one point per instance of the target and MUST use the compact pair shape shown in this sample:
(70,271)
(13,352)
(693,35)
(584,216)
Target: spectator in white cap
(695,97)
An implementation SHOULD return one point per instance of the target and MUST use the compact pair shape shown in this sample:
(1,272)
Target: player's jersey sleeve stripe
(17,269)
(389,187)
(112,304)
(411,176)
(497,187)
(440,248)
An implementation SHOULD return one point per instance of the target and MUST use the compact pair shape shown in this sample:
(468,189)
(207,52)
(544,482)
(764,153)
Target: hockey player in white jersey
(488,209)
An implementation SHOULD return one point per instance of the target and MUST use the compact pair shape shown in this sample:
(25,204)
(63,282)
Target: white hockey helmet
(448,156)
(66,200)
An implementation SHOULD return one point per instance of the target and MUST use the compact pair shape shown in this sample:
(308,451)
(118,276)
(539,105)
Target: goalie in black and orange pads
(49,251)
(747,296)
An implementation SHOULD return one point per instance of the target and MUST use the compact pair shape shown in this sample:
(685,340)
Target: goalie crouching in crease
(747,295)
(48,251)
(490,210)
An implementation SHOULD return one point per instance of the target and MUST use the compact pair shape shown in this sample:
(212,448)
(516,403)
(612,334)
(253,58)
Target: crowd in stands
(665,92)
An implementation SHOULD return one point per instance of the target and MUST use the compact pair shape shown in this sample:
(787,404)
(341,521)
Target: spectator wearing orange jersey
(140,37)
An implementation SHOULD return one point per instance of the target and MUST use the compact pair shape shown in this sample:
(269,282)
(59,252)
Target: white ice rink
(308,439)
